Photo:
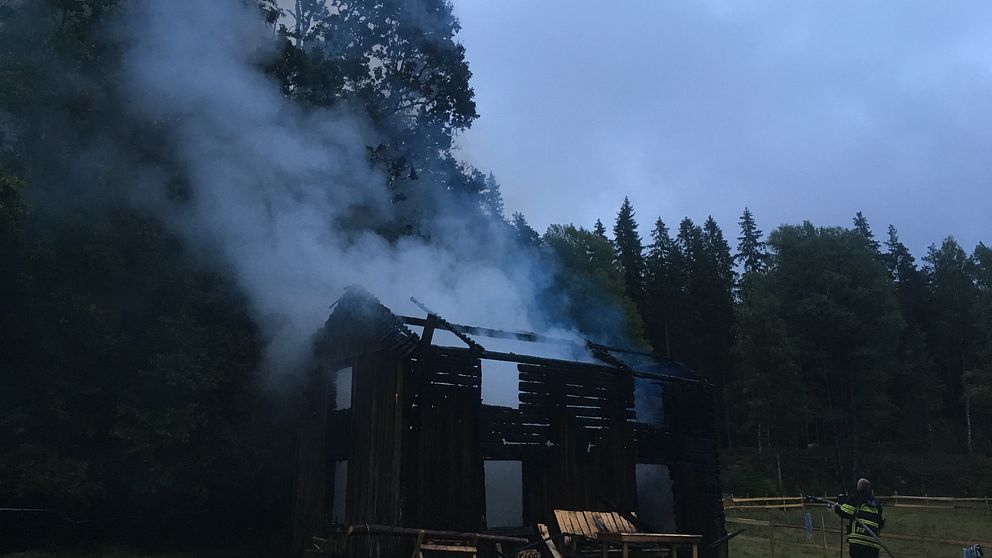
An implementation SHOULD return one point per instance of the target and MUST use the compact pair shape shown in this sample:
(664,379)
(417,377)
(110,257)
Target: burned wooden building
(419,422)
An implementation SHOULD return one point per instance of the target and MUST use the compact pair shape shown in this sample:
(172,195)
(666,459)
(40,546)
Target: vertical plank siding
(375,463)
(444,471)
(309,505)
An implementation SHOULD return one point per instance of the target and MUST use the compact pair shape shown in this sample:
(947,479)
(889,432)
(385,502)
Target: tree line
(813,336)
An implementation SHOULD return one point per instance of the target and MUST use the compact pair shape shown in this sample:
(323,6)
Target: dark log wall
(417,435)
(309,506)
(443,471)
(696,472)
(377,443)
(588,460)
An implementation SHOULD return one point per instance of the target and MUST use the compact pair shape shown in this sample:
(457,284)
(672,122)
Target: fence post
(823,531)
(771,540)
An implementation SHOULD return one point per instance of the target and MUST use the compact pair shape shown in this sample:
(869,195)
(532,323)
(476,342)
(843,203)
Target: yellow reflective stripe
(869,523)
(854,538)
(847,508)
(868,509)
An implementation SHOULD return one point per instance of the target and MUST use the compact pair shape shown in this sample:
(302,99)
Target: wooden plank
(578,395)
(429,534)
(449,548)
(650,537)
(589,389)
(769,498)
(746,521)
(564,520)
(610,521)
(599,521)
(624,525)
(545,534)
(575,524)
(588,527)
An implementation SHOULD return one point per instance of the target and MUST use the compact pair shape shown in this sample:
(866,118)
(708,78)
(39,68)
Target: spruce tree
(524,234)
(864,229)
(599,230)
(953,294)
(686,344)
(715,300)
(751,252)
(629,253)
(909,280)
(717,251)
(662,286)
(492,199)
(917,391)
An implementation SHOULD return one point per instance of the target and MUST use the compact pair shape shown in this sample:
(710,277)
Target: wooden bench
(607,530)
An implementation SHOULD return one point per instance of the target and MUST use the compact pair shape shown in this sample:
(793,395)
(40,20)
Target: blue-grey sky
(799,110)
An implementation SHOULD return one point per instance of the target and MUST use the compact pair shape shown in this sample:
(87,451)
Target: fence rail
(778,537)
(895,500)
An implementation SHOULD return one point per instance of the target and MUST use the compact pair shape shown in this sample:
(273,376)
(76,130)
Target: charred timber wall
(444,486)
(417,436)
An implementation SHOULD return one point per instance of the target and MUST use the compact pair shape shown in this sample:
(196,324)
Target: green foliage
(862,227)
(745,471)
(751,252)
(770,379)
(629,252)
(823,318)
(523,233)
(664,284)
(399,62)
(599,229)
(593,289)
(953,323)
(130,382)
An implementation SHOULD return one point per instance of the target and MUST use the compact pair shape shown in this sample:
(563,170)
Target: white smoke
(269,182)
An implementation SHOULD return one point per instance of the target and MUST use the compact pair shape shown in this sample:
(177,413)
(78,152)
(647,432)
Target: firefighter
(863,512)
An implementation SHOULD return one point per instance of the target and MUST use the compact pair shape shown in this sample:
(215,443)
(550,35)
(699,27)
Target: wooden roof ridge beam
(528,336)
(557,362)
(445,324)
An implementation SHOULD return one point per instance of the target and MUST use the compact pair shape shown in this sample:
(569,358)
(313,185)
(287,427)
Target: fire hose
(874,535)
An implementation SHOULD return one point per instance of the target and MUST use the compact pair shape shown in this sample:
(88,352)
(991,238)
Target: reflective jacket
(864,507)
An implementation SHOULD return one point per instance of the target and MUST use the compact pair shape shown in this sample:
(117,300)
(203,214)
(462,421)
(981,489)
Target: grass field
(965,525)
(950,524)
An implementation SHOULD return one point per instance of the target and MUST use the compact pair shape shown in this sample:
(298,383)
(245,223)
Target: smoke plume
(270,183)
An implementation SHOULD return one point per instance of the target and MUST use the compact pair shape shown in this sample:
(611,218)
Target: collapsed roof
(360,324)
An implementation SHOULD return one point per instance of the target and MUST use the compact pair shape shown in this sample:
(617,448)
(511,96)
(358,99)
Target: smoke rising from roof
(270,186)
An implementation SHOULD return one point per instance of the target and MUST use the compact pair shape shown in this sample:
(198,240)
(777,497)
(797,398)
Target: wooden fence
(828,537)
(896,501)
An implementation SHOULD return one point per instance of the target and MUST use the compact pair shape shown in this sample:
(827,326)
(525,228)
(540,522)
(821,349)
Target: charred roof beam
(543,361)
(445,324)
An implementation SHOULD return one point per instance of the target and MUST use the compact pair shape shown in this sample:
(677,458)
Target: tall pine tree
(598,229)
(864,229)
(953,331)
(715,300)
(663,285)
(629,253)
(916,390)
(524,233)
(751,252)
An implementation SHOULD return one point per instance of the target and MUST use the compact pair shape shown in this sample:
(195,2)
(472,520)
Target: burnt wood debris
(414,434)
